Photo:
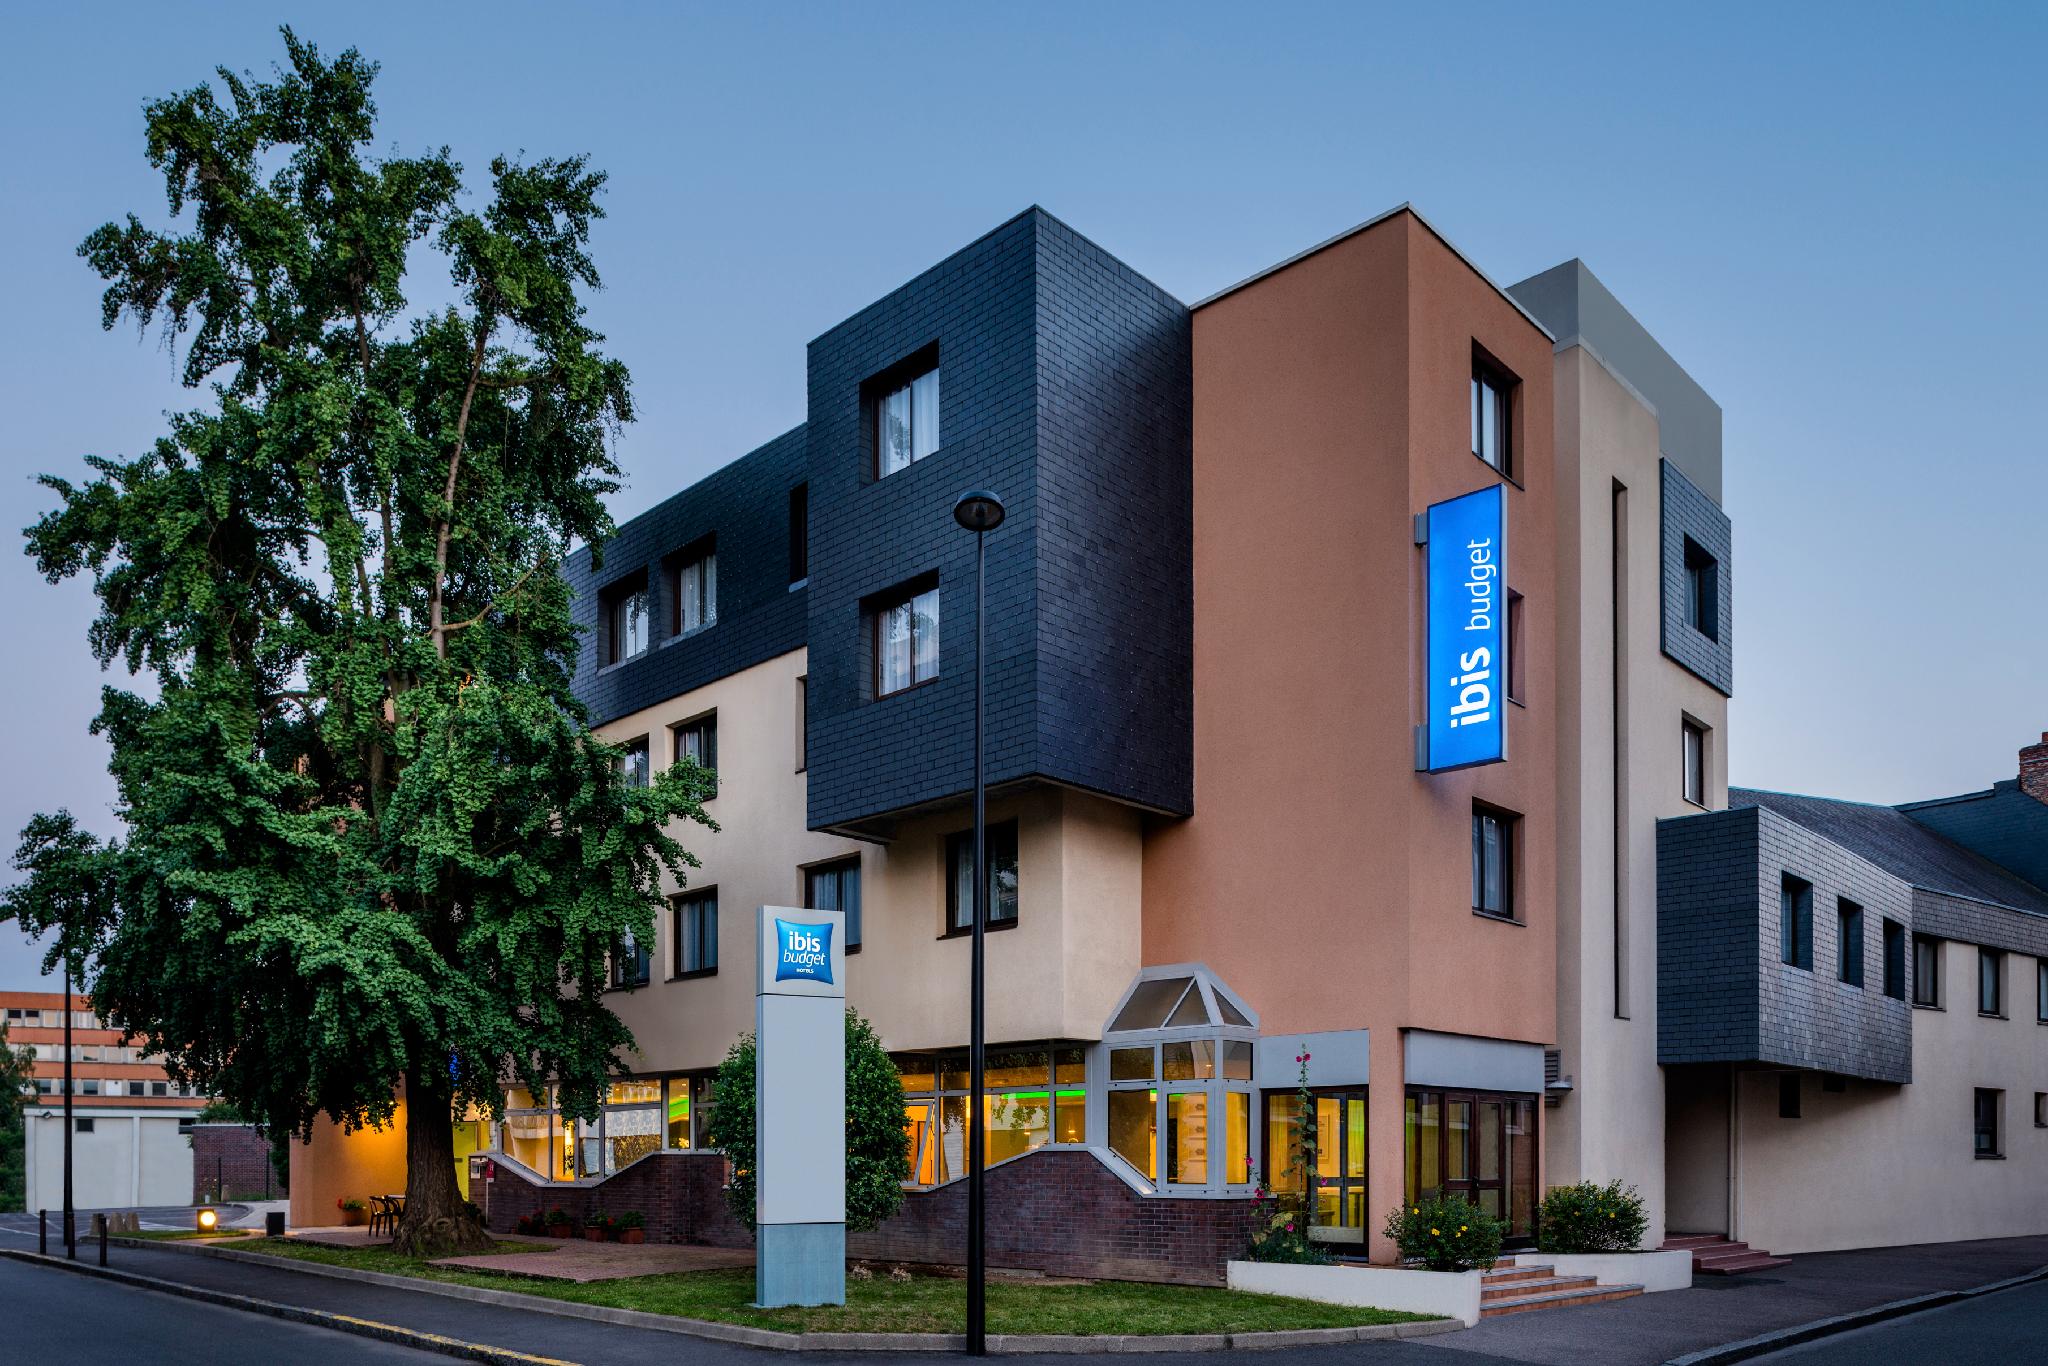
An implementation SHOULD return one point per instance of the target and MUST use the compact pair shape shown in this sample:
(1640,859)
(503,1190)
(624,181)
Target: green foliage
(1590,1217)
(1286,1219)
(369,838)
(632,1218)
(877,1157)
(1446,1233)
(17,1085)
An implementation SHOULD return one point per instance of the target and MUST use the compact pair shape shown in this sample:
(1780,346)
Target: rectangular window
(1848,941)
(625,615)
(799,534)
(698,740)
(1695,761)
(631,962)
(1795,922)
(159,1088)
(82,1126)
(633,762)
(906,423)
(1517,675)
(1926,971)
(2041,990)
(2041,1109)
(694,584)
(1002,877)
(1990,982)
(1187,1138)
(1493,862)
(1492,414)
(696,933)
(1788,1095)
(1990,1114)
(836,887)
(907,642)
(1702,591)
(1895,960)
(803,716)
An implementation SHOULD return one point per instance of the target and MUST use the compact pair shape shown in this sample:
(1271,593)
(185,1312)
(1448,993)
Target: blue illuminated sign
(803,951)
(1466,685)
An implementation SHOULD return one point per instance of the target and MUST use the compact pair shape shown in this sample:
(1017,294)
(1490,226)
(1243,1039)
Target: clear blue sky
(1831,215)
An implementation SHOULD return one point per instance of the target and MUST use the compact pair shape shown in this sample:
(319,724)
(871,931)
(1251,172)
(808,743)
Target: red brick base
(231,1161)
(1057,1210)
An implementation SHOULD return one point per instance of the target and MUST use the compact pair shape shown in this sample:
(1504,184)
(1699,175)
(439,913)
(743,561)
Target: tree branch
(447,526)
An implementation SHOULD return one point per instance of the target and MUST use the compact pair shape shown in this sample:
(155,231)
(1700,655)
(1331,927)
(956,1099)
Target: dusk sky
(1830,215)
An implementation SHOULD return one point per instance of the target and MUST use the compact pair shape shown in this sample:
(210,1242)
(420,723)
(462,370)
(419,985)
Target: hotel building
(1217,845)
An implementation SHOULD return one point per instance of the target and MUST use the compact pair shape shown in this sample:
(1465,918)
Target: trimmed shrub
(1590,1217)
(1446,1233)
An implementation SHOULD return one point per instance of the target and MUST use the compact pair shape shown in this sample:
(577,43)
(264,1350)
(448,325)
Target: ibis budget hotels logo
(804,951)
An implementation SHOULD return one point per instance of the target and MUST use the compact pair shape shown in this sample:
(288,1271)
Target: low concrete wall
(1453,1294)
(1650,1270)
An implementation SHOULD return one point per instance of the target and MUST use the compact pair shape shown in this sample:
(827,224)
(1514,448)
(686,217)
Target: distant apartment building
(130,1121)
(1232,826)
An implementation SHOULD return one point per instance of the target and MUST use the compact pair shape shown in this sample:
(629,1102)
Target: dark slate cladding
(2003,824)
(1723,993)
(1064,386)
(745,507)
(1687,511)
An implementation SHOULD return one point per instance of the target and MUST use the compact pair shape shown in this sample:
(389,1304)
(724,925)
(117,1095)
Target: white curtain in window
(893,666)
(924,630)
(697,595)
(892,434)
(924,414)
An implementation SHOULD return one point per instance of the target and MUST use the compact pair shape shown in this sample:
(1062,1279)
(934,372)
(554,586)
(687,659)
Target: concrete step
(1558,1299)
(1544,1285)
(1503,1275)
(1678,1242)
(1735,1266)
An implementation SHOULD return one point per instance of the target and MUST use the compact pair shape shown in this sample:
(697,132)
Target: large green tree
(369,844)
(17,1085)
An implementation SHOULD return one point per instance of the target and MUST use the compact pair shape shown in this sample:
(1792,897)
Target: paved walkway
(1718,1309)
(581,1260)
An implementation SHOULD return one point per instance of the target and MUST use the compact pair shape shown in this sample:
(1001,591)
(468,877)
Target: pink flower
(1290,1228)
(1306,1056)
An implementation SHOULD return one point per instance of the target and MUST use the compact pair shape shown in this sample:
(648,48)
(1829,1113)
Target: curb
(998,1343)
(1799,1333)
(367,1328)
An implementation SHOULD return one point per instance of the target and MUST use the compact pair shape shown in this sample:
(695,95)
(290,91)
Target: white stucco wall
(1612,1123)
(127,1160)
(1878,1166)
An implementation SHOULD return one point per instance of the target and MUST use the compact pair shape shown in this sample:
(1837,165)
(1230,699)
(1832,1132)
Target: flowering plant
(1446,1233)
(1285,1219)
(1589,1217)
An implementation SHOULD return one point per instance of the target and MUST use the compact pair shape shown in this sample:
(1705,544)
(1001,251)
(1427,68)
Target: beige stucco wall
(1055,975)
(1612,1124)
(1880,1166)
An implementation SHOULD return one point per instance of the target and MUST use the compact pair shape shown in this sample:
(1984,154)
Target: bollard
(42,1233)
(273,1223)
(101,1220)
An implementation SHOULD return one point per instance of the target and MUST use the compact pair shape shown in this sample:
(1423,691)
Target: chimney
(2034,769)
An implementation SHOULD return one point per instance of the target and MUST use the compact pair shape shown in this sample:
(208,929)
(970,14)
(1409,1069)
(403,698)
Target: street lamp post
(979,512)
(70,1234)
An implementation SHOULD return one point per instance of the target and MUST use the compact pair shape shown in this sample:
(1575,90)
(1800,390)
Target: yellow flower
(1433,1233)
(1461,1228)
(1416,1210)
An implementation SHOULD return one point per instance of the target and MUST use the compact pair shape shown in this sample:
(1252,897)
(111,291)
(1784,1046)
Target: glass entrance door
(1338,1195)
(1479,1145)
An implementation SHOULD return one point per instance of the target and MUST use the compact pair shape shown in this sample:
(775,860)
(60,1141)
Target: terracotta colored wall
(1320,875)
(366,1162)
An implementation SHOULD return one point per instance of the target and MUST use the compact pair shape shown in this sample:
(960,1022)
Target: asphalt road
(59,1315)
(1990,1330)
(19,1230)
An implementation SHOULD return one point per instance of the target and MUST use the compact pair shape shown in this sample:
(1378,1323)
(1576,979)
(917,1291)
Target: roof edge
(1407,207)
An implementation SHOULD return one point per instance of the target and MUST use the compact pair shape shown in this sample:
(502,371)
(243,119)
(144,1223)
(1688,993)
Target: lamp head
(980,510)
(206,1220)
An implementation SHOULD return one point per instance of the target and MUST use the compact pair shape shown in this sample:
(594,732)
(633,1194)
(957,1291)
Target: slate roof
(1902,847)
(2003,824)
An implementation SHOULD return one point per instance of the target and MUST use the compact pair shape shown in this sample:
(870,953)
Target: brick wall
(1060,1211)
(230,1160)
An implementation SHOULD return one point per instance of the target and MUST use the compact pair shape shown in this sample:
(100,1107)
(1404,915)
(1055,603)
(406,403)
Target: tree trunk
(437,1221)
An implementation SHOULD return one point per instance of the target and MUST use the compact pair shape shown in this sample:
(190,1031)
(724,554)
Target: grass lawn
(923,1304)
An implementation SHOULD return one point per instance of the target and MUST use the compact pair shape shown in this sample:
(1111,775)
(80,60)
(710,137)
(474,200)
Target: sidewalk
(1717,1310)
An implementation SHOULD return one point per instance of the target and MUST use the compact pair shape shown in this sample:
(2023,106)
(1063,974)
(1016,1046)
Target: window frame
(705,724)
(837,868)
(803,720)
(642,955)
(1795,922)
(1991,983)
(1791,1096)
(1490,377)
(1702,590)
(700,555)
(1517,676)
(1692,761)
(1849,942)
(639,745)
(615,600)
(2041,991)
(800,535)
(1987,1101)
(687,936)
(903,378)
(1509,824)
(1895,934)
(1926,986)
(959,845)
(905,598)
